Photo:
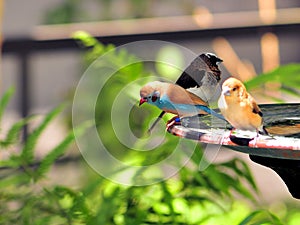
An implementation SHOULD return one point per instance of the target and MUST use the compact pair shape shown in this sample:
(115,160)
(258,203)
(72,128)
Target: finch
(201,78)
(174,99)
(239,107)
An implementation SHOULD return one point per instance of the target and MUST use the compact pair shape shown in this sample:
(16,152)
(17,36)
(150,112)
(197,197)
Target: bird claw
(174,121)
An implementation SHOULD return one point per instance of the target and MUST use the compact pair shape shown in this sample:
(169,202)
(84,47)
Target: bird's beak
(142,101)
(226,91)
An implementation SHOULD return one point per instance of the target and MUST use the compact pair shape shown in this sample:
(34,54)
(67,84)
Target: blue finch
(174,99)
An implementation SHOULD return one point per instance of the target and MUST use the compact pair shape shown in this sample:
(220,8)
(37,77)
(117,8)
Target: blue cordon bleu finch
(239,107)
(174,99)
(201,78)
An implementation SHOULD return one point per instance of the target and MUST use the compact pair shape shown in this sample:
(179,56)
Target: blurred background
(44,63)
(251,38)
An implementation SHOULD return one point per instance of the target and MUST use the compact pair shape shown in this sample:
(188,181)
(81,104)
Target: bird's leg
(264,132)
(156,121)
(257,132)
(174,121)
(255,138)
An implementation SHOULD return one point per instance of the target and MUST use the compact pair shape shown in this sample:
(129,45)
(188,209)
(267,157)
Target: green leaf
(284,74)
(14,180)
(13,133)
(12,162)
(290,90)
(72,203)
(242,169)
(201,180)
(27,155)
(59,150)
(288,76)
(85,38)
(219,180)
(240,188)
(51,157)
(261,217)
(5,100)
(249,217)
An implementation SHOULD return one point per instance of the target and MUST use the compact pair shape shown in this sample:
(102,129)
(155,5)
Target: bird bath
(280,152)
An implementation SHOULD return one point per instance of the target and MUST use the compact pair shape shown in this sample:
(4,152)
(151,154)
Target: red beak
(142,101)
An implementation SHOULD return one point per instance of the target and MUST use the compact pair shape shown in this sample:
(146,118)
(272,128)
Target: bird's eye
(233,89)
(154,98)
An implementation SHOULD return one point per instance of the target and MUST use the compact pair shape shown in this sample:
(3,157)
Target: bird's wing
(179,95)
(196,100)
(255,108)
(193,75)
(203,66)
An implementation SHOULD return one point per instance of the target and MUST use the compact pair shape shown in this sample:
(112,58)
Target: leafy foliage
(67,12)
(284,79)
(72,11)
(13,133)
(225,193)
(180,200)
(22,199)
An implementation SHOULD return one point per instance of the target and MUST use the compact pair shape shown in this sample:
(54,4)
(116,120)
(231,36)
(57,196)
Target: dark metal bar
(24,87)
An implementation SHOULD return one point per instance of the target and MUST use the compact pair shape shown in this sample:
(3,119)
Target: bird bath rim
(283,147)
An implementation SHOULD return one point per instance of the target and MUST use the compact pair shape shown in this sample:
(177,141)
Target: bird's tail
(211,111)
